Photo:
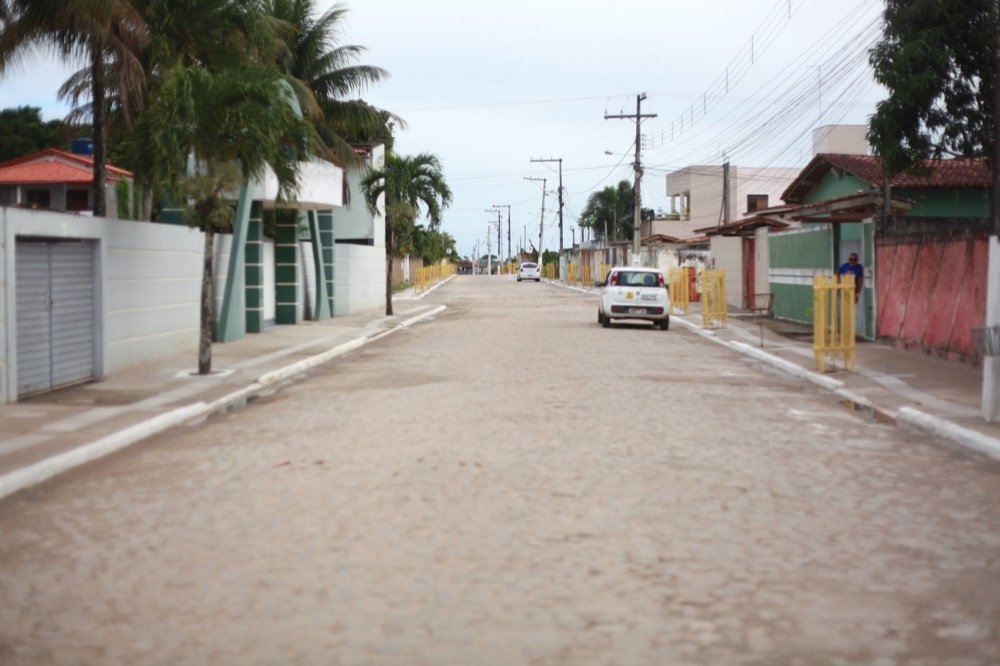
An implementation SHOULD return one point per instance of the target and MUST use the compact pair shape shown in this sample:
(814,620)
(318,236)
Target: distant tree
(405,184)
(433,245)
(22,132)
(938,60)
(609,212)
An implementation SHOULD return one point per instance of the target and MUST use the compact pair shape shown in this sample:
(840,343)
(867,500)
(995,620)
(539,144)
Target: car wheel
(607,322)
(600,317)
(665,323)
(538,279)
(518,279)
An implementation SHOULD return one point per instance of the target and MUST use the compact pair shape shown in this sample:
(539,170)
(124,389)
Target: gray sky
(488,85)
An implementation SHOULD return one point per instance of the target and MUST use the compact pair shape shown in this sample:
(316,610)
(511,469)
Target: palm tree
(236,117)
(103,32)
(609,211)
(324,76)
(403,185)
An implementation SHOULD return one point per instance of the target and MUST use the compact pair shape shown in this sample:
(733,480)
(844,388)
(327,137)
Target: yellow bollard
(714,311)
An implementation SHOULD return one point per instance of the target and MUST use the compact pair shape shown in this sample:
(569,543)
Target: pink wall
(931,295)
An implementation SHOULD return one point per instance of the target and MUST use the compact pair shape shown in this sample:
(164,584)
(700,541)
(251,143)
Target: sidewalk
(47,434)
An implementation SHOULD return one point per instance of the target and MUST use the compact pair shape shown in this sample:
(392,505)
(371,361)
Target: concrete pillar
(321,306)
(231,324)
(991,364)
(255,270)
(285,272)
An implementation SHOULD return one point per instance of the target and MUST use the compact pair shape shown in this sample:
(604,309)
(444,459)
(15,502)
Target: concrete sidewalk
(45,435)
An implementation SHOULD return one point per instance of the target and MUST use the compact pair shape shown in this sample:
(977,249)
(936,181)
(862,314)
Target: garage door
(55,314)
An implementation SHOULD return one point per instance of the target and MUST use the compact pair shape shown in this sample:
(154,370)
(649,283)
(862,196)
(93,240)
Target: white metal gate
(55,314)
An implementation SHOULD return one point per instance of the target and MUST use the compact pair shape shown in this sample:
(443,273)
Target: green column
(325,218)
(285,274)
(231,324)
(255,270)
(321,304)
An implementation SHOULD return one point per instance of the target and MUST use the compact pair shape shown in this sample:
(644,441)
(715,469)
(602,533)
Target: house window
(756,202)
(77,200)
(38,198)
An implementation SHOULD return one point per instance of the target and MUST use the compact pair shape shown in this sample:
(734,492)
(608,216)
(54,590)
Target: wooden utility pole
(558,159)
(637,213)
(510,252)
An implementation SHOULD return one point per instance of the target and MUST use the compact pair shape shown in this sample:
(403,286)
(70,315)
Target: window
(756,202)
(38,198)
(77,200)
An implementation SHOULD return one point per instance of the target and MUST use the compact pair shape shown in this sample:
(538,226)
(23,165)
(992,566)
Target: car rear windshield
(528,266)
(638,279)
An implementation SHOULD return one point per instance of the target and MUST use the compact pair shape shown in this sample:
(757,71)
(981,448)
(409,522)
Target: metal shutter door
(72,266)
(34,369)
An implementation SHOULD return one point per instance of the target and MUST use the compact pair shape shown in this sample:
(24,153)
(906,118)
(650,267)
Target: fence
(571,274)
(833,321)
(714,312)
(549,271)
(679,291)
(431,275)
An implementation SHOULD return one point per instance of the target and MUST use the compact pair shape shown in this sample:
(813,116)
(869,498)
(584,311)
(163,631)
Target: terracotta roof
(658,238)
(940,174)
(54,166)
(746,224)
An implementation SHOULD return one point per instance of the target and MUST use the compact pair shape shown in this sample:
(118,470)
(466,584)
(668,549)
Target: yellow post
(833,322)
(679,292)
(714,312)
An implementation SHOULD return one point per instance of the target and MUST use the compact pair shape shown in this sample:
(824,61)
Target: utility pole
(726,214)
(499,244)
(637,213)
(541,223)
(510,252)
(489,249)
(558,159)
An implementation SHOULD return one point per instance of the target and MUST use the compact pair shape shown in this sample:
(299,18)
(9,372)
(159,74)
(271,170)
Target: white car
(529,271)
(630,292)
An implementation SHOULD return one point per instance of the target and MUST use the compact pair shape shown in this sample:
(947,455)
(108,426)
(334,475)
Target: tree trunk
(207,320)
(100,157)
(388,270)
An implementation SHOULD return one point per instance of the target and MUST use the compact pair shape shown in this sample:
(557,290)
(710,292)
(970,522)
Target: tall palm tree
(103,32)
(238,116)
(403,186)
(324,76)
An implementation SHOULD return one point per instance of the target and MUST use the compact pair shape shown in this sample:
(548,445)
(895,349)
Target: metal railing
(833,321)
(428,276)
(714,312)
(549,271)
(680,292)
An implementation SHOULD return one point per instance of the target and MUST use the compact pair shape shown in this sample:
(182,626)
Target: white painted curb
(46,469)
(787,366)
(913,419)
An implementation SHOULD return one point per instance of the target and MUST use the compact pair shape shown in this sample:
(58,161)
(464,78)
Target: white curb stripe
(46,469)
(913,419)
(789,367)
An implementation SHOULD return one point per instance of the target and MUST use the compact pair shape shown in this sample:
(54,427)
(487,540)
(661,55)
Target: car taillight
(614,278)
(662,283)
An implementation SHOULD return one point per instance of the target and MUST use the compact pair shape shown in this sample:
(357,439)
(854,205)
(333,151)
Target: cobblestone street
(510,483)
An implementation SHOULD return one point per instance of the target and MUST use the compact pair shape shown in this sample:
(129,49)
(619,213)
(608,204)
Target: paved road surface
(512,484)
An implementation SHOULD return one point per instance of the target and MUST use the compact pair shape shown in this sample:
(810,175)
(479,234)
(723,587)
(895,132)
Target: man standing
(853,267)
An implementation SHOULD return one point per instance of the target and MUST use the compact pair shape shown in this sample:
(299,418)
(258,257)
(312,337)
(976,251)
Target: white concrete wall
(152,286)
(727,253)
(847,139)
(147,287)
(359,278)
(354,221)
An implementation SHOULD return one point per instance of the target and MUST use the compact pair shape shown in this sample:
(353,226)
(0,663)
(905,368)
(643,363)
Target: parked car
(529,271)
(631,292)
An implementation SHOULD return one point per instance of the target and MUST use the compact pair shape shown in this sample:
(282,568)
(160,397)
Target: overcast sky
(489,85)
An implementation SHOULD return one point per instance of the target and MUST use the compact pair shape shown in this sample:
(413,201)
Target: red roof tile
(940,174)
(54,166)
